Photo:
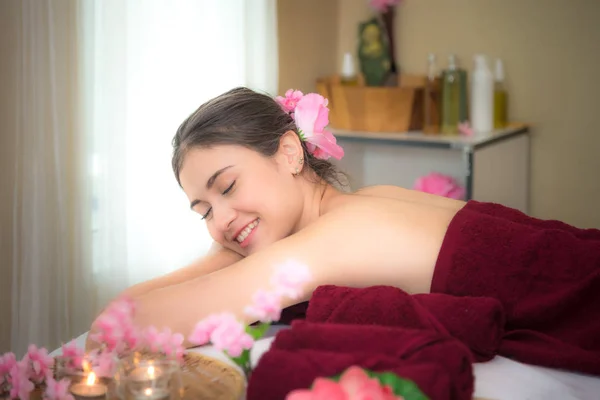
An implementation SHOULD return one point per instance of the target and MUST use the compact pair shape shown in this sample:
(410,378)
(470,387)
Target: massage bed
(498,379)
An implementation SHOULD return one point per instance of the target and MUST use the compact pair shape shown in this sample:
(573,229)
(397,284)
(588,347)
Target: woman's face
(247,200)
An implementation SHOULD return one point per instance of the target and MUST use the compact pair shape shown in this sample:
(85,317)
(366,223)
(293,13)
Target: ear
(290,153)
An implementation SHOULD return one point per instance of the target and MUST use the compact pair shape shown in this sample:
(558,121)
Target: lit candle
(146,374)
(90,389)
(155,394)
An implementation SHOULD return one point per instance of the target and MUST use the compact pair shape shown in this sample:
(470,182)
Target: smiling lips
(243,235)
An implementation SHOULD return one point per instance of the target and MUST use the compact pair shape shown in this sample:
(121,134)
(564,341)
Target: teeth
(242,236)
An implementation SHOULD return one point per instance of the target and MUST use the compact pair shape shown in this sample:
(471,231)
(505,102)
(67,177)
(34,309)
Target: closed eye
(207,213)
(229,188)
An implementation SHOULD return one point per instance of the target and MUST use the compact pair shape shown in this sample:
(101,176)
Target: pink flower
(115,326)
(57,390)
(288,103)
(19,381)
(7,362)
(323,389)
(441,185)
(465,128)
(38,362)
(73,354)
(289,279)
(103,363)
(163,341)
(266,306)
(231,336)
(354,384)
(201,333)
(312,116)
(383,5)
(224,331)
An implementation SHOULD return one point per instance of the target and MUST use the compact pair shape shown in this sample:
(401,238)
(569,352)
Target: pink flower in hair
(288,103)
(441,185)
(266,306)
(20,385)
(312,116)
(38,362)
(57,390)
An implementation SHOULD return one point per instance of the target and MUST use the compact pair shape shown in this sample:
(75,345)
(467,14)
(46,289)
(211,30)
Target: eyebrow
(210,183)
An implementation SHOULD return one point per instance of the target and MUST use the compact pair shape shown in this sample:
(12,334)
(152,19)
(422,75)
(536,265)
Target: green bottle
(454,97)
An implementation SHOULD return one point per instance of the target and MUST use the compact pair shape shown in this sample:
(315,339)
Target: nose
(223,216)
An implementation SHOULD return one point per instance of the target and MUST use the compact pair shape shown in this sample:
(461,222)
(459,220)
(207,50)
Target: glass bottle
(454,97)
(432,98)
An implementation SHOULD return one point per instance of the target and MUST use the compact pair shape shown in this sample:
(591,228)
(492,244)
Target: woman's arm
(217,257)
(371,241)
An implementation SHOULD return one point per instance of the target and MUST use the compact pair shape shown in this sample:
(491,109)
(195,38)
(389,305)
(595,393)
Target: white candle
(90,389)
(154,394)
(146,374)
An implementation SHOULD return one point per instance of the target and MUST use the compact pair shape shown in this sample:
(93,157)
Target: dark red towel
(478,322)
(499,211)
(547,279)
(438,364)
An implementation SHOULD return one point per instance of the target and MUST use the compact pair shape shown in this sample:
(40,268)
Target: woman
(255,170)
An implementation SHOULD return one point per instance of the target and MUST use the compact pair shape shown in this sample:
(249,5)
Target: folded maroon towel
(478,322)
(499,211)
(547,279)
(438,364)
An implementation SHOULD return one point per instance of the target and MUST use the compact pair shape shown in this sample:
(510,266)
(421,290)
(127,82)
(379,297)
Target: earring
(300,160)
(297,171)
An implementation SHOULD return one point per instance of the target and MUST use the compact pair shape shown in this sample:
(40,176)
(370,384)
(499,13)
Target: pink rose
(441,185)
(354,384)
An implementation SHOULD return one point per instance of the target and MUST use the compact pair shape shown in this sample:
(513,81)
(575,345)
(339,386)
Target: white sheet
(498,379)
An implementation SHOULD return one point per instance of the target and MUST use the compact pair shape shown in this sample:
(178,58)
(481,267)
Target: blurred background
(92,93)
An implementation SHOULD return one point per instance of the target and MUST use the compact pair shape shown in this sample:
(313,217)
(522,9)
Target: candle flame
(148,392)
(151,372)
(91,379)
(86,365)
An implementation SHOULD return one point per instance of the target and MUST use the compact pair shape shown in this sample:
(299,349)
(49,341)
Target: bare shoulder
(400,193)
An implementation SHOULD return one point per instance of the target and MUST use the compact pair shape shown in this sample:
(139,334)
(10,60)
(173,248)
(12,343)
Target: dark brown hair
(246,118)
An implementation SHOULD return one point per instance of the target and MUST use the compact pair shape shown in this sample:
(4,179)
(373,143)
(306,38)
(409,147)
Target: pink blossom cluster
(117,333)
(227,333)
(18,378)
(354,384)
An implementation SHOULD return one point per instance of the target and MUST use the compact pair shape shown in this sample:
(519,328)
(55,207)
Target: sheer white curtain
(94,92)
(149,64)
(44,242)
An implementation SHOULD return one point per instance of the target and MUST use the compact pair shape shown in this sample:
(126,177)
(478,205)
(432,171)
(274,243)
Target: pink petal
(327,143)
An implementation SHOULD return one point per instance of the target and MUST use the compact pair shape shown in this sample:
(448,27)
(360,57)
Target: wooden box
(374,109)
